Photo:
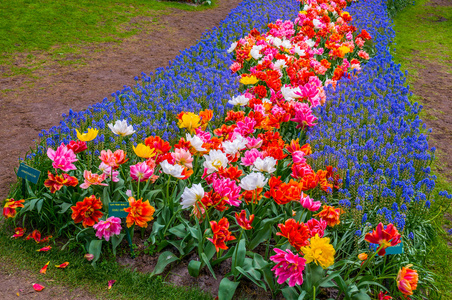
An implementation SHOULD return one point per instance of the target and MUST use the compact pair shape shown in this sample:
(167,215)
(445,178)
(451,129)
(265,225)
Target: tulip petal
(63,265)
(44,269)
(37,287)
(44,249)
(110,283)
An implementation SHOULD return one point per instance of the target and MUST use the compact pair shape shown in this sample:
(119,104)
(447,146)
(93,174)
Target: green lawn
(27,25)
(22,255)
(424,33)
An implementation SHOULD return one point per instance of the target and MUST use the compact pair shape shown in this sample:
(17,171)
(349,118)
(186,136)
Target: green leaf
(265,268)
(238,257)
(39,205)
(194,267)
(178,231)
(290,293)
(343,287)
(165,259)
(29,205)
(64,207)
(361,295)
(95,248)
(259,262)
(227,289)
(106,197)
(263,234)
(206,261)
(210,250)
(302,295)
(317,273)
(149,195)
(179,245)
(252,275)
(115,241)
(371,283)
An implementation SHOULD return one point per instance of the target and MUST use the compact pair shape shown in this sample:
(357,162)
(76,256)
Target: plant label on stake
(116,209)
(397,249)
(27,173)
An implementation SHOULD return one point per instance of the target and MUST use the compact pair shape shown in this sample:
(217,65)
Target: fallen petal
(89,257)
(63,265)
(44,269)
(110,283)
(38,287)
(44,249)
(18,232)
(46,239)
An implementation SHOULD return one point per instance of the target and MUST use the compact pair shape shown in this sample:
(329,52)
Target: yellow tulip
(88,136)
(343,50)
(249,79)
(143,151)
(190,121)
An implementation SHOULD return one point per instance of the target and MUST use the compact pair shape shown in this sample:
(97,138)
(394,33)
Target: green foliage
(27,25)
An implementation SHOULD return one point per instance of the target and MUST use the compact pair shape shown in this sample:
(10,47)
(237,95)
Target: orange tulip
(87,211)
(407,280)
(139,212)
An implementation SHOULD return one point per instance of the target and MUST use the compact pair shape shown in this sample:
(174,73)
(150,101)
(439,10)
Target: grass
(27,25)
(61,28)
(424,33)
(22,255)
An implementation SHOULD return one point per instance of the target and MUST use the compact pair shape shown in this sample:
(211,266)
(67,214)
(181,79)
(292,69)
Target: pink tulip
(62,158)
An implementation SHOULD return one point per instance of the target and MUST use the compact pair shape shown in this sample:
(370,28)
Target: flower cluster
(306,141)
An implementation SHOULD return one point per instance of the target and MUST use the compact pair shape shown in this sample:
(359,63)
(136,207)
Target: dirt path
(25,112)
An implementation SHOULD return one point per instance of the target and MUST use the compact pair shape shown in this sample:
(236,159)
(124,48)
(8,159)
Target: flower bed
(315,128)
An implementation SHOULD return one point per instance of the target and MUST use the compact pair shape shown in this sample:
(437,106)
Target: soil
(434,86)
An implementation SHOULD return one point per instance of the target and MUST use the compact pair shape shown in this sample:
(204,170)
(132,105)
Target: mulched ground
(24,112)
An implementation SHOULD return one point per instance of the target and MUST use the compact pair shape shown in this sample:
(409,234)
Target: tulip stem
(167,193)
(367,262)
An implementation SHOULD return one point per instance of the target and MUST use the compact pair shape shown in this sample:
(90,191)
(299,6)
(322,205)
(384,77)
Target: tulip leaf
(210,250)
(95,248)
(238,256)
(165,259)
(106,196)
(64,207)
(39,205)
(178,231)
(227,289)
(252,275)
(263,234)
(259,262)
(290,293)
(361,295)
(206,261)
(194,267)
(115,241)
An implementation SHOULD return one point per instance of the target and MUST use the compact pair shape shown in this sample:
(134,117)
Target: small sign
(397,249)
(28,173)
(116,209)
